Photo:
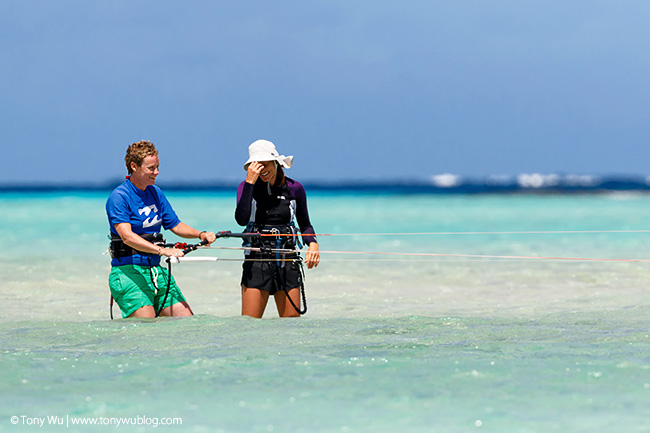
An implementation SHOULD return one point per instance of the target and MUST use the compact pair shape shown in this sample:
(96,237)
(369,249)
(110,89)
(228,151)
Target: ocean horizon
(437,184)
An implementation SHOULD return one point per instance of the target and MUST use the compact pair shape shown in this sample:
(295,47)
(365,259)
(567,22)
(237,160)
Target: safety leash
(187,248)
(280,261)
(302,290)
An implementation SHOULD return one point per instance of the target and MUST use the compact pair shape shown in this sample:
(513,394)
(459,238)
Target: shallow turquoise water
(577,372)
(411,343)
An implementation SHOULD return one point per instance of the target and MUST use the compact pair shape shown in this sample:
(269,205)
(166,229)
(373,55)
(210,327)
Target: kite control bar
(228,234)
(188,248)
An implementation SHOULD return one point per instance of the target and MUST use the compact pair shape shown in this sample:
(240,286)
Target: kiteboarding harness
(272,212)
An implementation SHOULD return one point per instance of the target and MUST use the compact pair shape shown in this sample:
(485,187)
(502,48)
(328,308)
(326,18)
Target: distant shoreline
(443,184)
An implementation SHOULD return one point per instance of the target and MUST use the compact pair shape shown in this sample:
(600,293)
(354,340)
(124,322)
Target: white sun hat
(264,150)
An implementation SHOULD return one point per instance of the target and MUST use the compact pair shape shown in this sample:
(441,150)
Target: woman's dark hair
(279,177)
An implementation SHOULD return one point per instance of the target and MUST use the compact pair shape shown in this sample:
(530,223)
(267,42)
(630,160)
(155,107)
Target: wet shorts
(132,288)
(266,275)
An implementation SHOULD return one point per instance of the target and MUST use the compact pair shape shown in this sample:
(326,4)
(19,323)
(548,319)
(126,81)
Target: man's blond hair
(137,152)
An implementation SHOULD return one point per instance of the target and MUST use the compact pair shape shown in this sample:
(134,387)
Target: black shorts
(268,276)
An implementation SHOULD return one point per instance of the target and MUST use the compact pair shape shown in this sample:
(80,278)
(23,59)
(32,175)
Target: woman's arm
(244,203)
(312,257)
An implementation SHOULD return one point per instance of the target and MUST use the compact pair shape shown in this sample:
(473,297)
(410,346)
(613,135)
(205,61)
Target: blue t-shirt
(147,211)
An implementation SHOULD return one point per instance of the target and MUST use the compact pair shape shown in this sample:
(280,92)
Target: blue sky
(375,90)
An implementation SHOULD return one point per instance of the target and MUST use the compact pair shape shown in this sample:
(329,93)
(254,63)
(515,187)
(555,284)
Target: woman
(137,209)
(268,202)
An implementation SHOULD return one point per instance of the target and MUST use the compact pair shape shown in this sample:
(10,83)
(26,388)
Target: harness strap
(119,249)
(277,243)
(169,284)
(287,233)
(302,288)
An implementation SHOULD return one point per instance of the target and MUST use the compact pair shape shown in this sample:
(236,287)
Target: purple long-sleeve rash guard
(279,207)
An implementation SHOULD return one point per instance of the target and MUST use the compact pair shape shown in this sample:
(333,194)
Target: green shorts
(132,288)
